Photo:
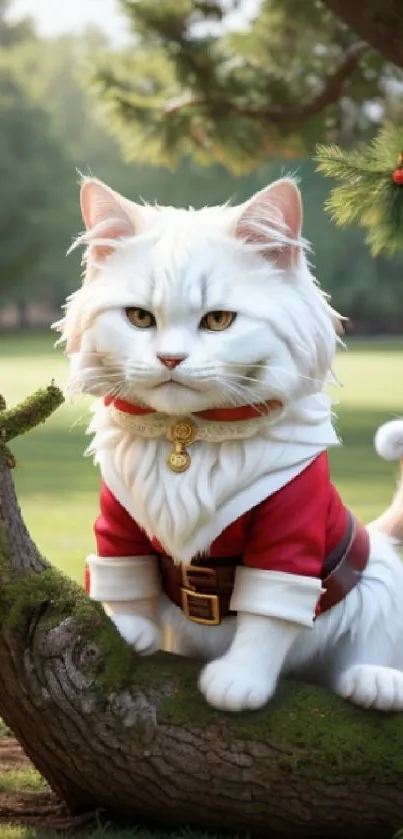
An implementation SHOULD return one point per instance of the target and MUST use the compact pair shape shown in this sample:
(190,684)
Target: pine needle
(367,195)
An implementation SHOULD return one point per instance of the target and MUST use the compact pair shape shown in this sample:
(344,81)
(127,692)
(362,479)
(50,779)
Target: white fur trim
(123,577)
(203,534)
(389,440)
(276,595)
(187,512)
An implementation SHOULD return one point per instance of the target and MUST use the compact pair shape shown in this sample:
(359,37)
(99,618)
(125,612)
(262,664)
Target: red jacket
(291,531)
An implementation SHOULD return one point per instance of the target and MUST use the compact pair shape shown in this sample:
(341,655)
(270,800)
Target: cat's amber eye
(140,317)
(217,321)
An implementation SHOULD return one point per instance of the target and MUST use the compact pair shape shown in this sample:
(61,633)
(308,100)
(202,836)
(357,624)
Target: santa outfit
(292,555)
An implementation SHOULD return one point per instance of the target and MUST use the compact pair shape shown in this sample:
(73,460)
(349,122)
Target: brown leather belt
(203,589)
(203,592)
(344,566)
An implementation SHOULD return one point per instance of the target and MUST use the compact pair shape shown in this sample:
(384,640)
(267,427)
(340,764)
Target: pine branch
(335,163)
(331,91)
(371,190)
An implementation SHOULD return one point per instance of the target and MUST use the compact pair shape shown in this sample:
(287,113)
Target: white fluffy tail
(389,445)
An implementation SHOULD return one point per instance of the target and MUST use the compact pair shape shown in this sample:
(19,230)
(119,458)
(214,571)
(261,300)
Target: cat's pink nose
(171,361)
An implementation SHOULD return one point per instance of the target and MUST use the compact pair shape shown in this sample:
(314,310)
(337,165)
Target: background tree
(12,33)
(378,22)
(31,161)
(72,133)
(204,82)
(197,83)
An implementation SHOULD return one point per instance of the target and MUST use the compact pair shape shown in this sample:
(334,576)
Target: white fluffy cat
(209,344)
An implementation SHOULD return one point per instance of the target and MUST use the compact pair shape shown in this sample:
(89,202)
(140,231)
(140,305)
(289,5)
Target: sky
(53,17)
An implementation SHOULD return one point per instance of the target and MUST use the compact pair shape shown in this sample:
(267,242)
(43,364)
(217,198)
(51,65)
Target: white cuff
(276,594)
(123,577)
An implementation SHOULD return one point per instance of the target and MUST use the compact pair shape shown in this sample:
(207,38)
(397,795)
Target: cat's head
(184,310)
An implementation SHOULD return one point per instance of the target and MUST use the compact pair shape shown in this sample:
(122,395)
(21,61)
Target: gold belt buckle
(192,600)
(199,607)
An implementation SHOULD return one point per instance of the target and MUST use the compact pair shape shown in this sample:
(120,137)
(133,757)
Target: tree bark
(378,22)
(112,731)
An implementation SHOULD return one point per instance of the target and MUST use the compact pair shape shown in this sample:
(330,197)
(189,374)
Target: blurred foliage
(236,83)
(15,32)
(52,127)
(30,161)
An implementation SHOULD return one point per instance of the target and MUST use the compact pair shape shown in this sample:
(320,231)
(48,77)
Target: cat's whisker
(95,354)
(100,371)
(280,370)
(131,365)
(232,396)
(240,377)
(294,373)
(94,378)
(228,387)
(103,380)
(240,392)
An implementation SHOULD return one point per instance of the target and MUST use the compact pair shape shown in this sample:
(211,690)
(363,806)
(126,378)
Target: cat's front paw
(141,633)
(230,686)
(372,686)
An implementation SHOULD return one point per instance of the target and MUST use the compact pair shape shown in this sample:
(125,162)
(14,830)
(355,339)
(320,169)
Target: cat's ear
(105,216)
(272,220)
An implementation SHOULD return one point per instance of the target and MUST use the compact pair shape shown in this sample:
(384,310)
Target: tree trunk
(109,730)
(378,22)
(23,314)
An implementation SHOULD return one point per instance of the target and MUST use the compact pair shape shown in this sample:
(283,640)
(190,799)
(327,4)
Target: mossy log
(112,731)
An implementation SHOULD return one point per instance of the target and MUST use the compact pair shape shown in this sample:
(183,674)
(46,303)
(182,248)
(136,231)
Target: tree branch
(19,556)
(34,410)
(378,22)
(332,90)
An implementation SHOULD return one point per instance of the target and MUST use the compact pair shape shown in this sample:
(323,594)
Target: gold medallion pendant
(181,435)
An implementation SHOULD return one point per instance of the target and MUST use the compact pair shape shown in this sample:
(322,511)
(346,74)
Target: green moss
(315,732)
(49,598)
(19,598)
(30,413)
(114,664)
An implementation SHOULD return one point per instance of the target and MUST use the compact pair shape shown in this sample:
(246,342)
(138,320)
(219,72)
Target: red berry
(398,176)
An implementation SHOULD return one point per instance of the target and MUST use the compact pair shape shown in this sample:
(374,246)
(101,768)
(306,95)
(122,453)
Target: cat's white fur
(180,265)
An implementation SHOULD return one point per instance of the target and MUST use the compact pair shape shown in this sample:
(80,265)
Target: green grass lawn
(58,487)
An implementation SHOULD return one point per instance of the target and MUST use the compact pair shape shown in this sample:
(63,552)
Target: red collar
(245,412)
